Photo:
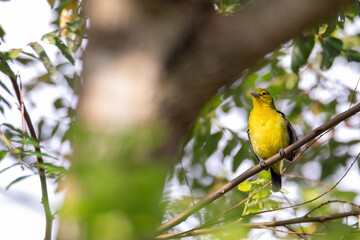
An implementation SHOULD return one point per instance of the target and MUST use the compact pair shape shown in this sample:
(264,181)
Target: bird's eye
(264,93)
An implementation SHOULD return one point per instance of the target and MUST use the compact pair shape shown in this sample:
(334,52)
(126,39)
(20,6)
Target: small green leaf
(353,55)
(46,78)
(5,88)
(17,180)
(245,186)
(331,48)
(64,50)
(2,34)
(52,168)
(5,101)
(7,168)
(261,194)
(55,129)
(12,54)
(241,155)
(44,59)
(58,103)
(255,207)
(50,37)
(301,52)
(212,143)
(230,145)
(271,204)
(39,154)
(357,3)
(7,70)
(3,154)
(40,127)
(331,26)
(20,132)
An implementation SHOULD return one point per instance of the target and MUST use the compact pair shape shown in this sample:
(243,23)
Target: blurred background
(141,111)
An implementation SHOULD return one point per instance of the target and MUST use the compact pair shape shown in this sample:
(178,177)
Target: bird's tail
(276,180)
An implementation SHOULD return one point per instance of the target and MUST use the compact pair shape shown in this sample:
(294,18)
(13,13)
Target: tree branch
(298,220)
(256,169)
(42,175)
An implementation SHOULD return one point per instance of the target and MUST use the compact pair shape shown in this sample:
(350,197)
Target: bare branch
(298,220)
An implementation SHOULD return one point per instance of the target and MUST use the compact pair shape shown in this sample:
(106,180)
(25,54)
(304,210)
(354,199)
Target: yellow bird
(269,132)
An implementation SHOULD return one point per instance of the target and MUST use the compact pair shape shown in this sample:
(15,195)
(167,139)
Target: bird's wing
(292,136)
(251,146)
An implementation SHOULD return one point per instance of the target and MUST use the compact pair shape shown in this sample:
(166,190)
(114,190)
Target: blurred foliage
(298,75)
(216,151)
(57,70)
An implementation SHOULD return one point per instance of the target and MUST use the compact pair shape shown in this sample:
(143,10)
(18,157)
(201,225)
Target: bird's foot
(263,164)
(281,152)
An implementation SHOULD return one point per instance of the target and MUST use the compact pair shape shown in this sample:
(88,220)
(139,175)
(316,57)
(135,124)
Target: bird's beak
(255,94)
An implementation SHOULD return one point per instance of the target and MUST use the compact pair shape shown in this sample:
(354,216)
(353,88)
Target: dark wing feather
(292,136)
(251,146)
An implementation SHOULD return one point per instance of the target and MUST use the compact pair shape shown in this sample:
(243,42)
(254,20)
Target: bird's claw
(263,164)
(282,152)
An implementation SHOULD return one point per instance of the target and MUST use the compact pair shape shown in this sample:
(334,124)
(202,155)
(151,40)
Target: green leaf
(20,132)
(40,127)
(64,50)
(331,48)
(5,88)
(55,129)
(331,26)
(3,154)
(5,101)
(241,155)
(212,143)
(261,194)
(357,4)
(58,103)
(245,186)
(46,78)
(7,70)
(255,207)
(353,55)
(271,204)
(39,154)
(230,146)
(301,51)
(12,54)
(17,180)
(51,168)
(2,34)
(7,168)
(44,59)
(50,37)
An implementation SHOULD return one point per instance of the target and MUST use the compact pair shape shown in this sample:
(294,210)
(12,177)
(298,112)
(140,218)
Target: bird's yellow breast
(268,132)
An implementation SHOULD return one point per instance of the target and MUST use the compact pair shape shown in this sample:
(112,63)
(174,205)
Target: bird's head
(262,97)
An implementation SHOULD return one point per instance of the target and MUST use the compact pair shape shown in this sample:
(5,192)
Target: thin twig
(292,232)
(22,109)
(328,202)
(320,219)
(354,93)
(299,234)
